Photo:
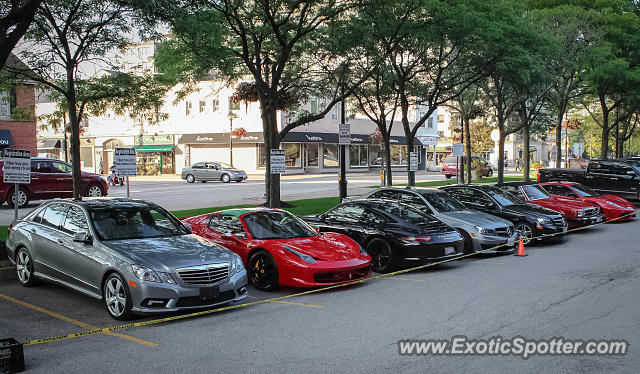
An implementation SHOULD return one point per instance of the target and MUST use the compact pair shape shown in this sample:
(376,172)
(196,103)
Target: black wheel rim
(262,271)
(380,255)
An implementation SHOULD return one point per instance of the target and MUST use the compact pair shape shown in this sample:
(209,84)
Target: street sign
(278,165)
(428,140)
(457,150)
(17,166)
(344,134)
(125,161)
(413,161)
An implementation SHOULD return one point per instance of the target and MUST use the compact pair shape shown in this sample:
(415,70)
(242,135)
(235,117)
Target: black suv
(530,221)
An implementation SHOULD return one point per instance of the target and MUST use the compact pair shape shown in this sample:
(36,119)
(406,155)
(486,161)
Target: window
(61,167)
(375,155)
(86,155)
(440,118)
(398,155)
(224,223)
(430,123)
(535,192)
(53,215)
(42,167)
(75,221)
(314,105)
(346,213)
(334,113)
(330,155)
(409,198)
(215,105)
(292,155)
(386,195)
(233,105)
(358,155)
(134,222)
(187,107)
(277,225)
(442,201)
(203,106)
(620,168)
(199,165)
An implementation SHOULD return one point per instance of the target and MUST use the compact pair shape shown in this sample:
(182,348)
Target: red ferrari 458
(614,207)
(278,248)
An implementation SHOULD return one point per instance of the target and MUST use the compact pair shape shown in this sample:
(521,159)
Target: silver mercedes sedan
(132,254)
(481,231)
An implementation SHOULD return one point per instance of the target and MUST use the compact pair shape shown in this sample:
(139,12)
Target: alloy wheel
(525,232)
(95,191)
(22,198)
(115,297)
(380,255)
(262,269)
(23,267)
(190,178)
(226,178)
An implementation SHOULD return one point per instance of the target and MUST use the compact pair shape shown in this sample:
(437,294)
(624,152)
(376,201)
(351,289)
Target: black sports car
(391,232)
(529,220)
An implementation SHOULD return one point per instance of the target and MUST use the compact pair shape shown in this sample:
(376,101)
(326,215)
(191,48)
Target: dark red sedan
(278,248)
(577,213)
(614,207)
(51,178)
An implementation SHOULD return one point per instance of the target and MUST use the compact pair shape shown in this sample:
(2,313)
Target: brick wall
(23,133)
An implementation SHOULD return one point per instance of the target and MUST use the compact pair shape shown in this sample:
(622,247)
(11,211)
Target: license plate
(449,251)
(209,293)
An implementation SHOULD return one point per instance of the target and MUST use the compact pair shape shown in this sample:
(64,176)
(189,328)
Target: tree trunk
(466,124)
(526,141)
(270,130)
(604,145)
(76,173)
(559,140)
(404,107)
(387,162)
(501,140)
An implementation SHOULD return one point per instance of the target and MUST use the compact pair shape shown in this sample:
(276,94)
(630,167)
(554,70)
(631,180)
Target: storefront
(155,154)
(51,148)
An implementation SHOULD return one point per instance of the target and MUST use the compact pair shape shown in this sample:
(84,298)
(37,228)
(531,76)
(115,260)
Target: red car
(278,248)
(614,207)
(51,178)
(450,166)
(577,213)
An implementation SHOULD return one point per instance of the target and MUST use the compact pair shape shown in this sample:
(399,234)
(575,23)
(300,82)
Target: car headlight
(485,231)
(145,274)
(237,265)
(544,221)
(167,278)
(613,204)
(580,213)
(302,256)
(362,251)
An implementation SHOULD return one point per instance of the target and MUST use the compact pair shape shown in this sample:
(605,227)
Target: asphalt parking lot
(584,287)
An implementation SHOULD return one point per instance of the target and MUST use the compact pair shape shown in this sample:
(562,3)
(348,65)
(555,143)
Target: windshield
(404,212)
(442,201)
(135,222)
(225,165)
(584,191)
(635,164)
(277,225)
(503,198)
(535,192)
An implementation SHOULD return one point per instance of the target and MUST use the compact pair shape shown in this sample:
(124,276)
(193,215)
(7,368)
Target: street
(584,287)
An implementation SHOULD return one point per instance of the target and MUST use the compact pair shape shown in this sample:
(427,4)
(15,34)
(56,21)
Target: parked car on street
(530,221)
(614,207)
(391,232)
(213,171)
(280,249)
(132,254)
(615,177)
(51,178)
(450,167)
(480,230)
(577,213)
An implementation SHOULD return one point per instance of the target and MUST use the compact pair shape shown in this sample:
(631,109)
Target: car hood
(172,252)
(531,210)
(618,200)
(328,246)
(569,203)
(476,218)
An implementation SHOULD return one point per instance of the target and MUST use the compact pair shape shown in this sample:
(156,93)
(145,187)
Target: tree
(466,105)
(285,47)
(66,36)
(15,18)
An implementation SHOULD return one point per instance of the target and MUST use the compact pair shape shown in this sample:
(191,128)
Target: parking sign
(344,133)
(125,161)
(278,162)
(17,166)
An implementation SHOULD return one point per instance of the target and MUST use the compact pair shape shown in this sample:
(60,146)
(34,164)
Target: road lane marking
(290,303)
(75,322)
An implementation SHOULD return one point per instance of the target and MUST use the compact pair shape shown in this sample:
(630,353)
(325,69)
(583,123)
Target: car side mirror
(82,237)
(228,235)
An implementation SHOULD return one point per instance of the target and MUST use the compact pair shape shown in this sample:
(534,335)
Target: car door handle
(33,230)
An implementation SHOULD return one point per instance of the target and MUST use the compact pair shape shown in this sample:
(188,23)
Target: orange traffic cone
(520,251)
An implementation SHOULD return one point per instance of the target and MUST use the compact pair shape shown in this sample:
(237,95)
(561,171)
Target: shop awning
(154,148)
(220,138)
(5,138)
(49,144)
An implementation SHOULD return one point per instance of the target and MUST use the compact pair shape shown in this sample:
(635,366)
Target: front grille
(205,275)
(504,231)
(342,276)
(558,222)
(196,301)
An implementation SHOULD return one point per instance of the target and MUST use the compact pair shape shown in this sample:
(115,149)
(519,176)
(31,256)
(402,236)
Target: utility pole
(342,183)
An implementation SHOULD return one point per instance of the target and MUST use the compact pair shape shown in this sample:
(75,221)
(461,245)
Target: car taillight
(538,177)
(417,238)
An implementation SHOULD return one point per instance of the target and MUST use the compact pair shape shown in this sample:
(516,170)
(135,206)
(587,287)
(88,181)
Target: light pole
(231,116)
(342,183)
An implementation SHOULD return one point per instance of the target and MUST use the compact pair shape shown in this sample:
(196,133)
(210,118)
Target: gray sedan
(132,254)
(481,231)
(213,171)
